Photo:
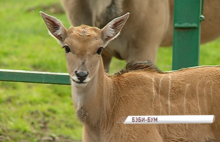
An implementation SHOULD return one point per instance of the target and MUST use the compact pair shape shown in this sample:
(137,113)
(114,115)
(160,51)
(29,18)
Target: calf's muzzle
(81,75)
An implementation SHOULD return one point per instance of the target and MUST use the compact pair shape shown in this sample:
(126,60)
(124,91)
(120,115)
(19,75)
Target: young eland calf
(102,102)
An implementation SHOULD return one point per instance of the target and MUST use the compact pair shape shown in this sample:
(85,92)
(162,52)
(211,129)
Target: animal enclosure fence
(186,41)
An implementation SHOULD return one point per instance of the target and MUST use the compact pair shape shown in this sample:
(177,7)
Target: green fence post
(186,33)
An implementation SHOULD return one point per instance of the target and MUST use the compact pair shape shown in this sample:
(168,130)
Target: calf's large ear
(54,26)
(113,28)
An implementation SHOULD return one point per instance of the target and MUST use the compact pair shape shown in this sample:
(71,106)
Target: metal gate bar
(34,77)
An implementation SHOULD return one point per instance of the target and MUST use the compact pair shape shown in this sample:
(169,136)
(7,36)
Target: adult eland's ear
(113,28)
(54,26)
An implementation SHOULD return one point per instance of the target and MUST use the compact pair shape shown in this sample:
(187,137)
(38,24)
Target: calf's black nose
(81,75)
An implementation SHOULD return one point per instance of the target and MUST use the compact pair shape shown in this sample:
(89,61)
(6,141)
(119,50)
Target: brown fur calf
(102,101)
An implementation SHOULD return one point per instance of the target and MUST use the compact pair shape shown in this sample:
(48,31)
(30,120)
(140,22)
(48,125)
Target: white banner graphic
(169,119)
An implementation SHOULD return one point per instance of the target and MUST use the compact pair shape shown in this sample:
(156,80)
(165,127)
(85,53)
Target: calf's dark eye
(67,49)
(99,51)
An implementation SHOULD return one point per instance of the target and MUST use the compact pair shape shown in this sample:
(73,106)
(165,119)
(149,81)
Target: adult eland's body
(150,25)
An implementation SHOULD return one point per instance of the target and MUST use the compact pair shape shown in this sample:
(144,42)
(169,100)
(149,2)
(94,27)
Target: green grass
(38,112)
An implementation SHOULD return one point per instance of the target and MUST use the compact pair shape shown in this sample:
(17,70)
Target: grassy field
(36,112)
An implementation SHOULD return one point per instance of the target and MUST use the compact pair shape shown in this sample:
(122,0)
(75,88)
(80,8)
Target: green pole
(186,33)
